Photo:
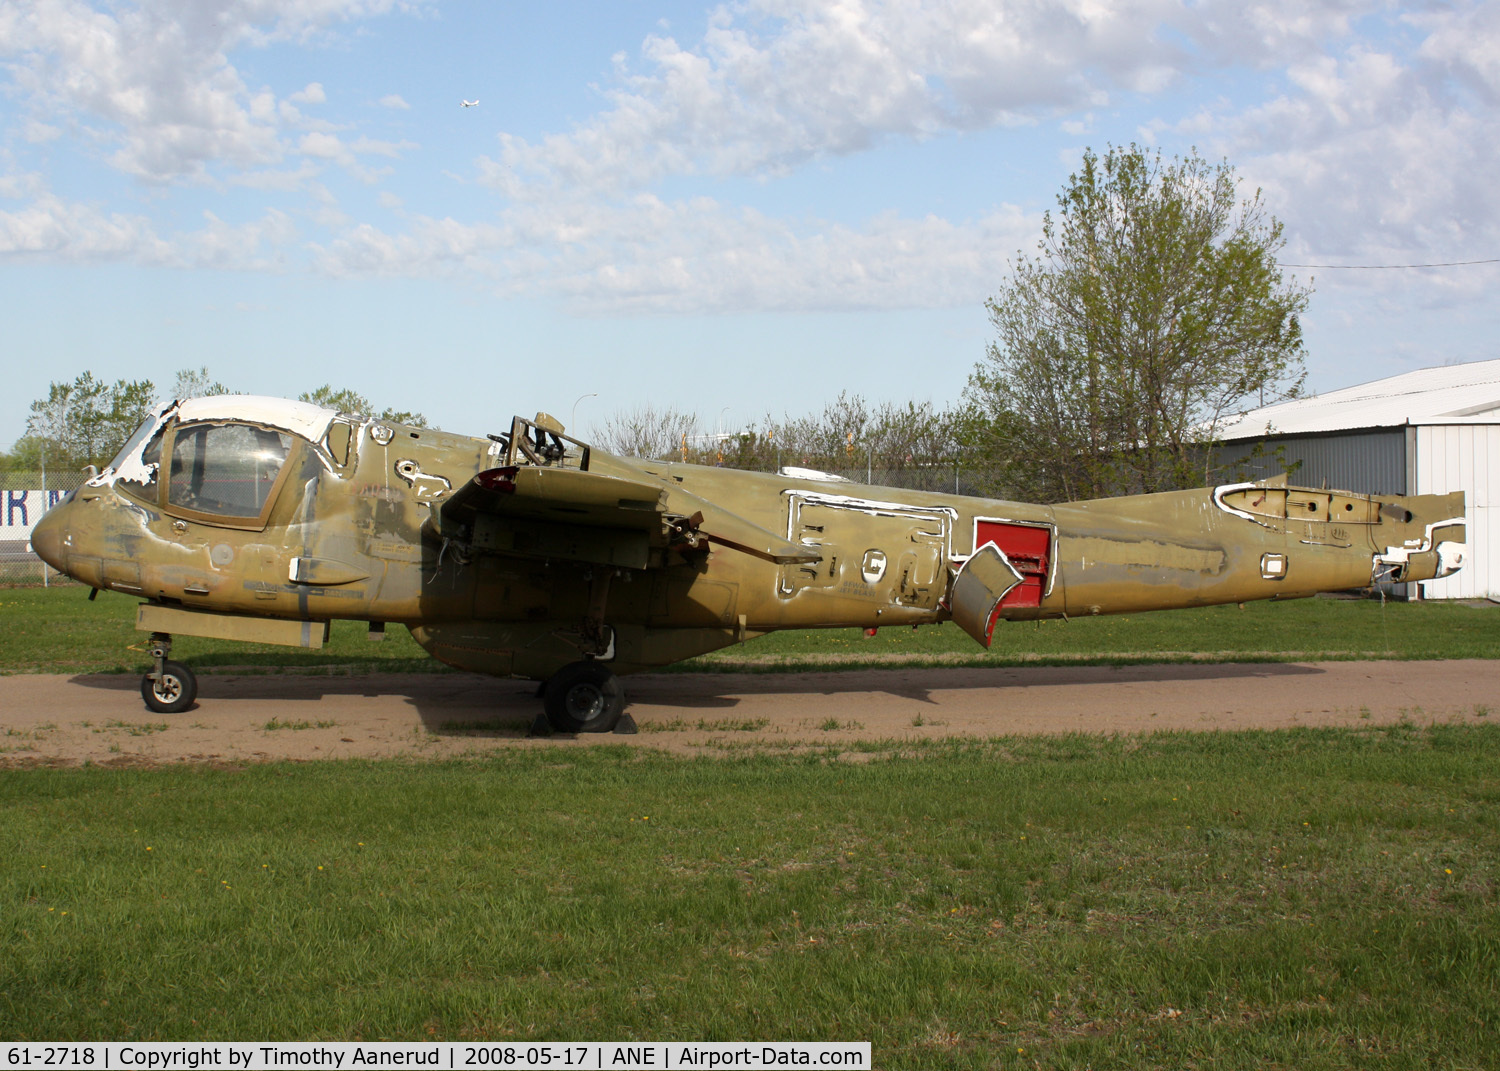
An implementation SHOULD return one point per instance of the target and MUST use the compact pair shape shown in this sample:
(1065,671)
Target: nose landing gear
(170,687)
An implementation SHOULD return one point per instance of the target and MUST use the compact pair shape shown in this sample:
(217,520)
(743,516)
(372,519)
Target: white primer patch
(1230,488)
(132,469)
(874,507)
(796,473)
(1401,555)
(1451,558)
(300,418)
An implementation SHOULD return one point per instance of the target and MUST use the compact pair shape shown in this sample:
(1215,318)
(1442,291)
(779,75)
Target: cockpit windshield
(150,424)
(226,470)
(135,467)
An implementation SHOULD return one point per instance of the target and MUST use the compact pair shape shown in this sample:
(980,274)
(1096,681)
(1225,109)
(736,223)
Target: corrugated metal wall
(1370,462)
(1445,457)
(1465,457)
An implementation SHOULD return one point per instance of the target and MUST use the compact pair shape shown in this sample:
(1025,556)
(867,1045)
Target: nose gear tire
(171,692)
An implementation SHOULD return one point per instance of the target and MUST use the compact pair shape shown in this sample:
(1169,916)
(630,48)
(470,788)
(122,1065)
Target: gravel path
(100,718)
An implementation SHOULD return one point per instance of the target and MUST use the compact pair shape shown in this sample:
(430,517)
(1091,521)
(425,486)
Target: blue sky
(749,205)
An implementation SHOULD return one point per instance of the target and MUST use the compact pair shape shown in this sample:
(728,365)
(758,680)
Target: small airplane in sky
(468,103)
(531,554)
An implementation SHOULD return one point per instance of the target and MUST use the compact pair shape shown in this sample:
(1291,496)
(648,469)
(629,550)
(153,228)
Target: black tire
(172,692)
(583,697)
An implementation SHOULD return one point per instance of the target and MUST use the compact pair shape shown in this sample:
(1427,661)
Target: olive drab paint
(530,553)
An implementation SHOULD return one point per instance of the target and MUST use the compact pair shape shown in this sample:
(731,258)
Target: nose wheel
(585,697)
(170,687)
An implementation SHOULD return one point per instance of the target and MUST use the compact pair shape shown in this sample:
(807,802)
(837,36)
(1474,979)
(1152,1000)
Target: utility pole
(45,567)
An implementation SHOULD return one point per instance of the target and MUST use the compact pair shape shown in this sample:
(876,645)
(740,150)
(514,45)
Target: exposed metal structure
(1432,431)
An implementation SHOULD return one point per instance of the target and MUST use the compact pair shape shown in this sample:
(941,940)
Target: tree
(1154,309)
(354,403)
(649,432)
(197,383)
(87,421)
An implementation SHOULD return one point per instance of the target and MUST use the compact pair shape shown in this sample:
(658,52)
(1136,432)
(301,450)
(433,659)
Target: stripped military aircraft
(531,554)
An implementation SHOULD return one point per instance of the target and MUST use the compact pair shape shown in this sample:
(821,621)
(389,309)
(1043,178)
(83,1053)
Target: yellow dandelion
(1447,871)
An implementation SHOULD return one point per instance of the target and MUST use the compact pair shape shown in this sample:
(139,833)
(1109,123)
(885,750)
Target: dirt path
(100,718)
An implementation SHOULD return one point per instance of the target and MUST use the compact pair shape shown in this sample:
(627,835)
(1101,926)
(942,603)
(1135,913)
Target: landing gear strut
(170,687)
(585,697)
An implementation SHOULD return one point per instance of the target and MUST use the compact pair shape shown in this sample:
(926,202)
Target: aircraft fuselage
(521,553)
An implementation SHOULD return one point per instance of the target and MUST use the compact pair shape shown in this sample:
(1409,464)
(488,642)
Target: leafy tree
(197,383)
(87,421)
(352,402)
(1154,309)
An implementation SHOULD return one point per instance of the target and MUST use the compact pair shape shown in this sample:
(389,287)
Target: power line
(1385,267)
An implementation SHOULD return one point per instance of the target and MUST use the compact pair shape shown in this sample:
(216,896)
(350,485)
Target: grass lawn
(1305,899)
(58,630)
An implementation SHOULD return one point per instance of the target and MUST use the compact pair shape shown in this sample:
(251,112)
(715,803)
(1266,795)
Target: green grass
(277,724)
(1320,628)
(1305,899)
(59,631)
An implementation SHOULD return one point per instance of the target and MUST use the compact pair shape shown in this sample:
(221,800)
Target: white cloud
(39,133)
(647,255)
(1376,157)
(775,83)
(51,228)
(153,83)
(313,94)
(1379,139)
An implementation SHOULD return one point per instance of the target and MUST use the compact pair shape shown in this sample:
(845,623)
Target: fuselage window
(225,469)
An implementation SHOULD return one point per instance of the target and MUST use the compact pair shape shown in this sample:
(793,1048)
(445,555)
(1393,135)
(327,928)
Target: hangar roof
(1451,394)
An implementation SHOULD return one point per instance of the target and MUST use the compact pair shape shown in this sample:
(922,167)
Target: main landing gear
(170,687)
(583,697)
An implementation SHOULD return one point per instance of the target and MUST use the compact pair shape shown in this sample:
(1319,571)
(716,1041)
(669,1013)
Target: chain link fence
(24,497)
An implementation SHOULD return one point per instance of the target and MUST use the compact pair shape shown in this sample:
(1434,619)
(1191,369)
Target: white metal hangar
(1425,432)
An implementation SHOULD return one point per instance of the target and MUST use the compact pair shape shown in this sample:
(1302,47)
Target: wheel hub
(167,688)
(584,701)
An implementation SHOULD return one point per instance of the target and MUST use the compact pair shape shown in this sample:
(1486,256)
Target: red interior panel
(1029,549)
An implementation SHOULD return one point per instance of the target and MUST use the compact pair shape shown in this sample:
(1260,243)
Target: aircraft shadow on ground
(465,704)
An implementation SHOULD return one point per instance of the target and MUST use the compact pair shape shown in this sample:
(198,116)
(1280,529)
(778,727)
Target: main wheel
(172,692)
(583,697)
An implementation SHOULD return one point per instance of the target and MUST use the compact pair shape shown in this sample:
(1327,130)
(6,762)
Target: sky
(734,209)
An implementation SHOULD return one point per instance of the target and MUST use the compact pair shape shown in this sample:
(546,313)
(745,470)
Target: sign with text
(20,510)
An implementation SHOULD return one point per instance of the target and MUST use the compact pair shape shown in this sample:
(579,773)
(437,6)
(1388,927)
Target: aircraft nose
(47,537)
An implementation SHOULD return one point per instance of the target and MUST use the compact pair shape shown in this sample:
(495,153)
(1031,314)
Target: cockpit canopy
(223,462)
